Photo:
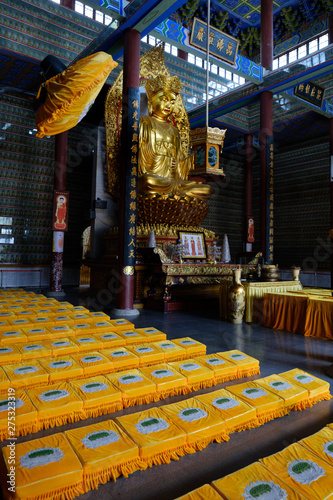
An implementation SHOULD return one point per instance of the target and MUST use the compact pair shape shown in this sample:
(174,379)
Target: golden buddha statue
(162,166)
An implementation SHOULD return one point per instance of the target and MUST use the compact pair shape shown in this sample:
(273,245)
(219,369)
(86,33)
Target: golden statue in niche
(163,167)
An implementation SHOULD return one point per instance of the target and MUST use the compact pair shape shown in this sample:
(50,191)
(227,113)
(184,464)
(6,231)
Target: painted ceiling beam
(221,106)
(144,19)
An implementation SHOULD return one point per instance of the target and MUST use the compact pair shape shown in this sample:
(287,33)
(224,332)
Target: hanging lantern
(207,144)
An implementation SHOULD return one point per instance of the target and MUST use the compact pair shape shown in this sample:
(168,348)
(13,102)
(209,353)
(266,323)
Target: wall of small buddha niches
(26,180)
(301,206)
(226,205)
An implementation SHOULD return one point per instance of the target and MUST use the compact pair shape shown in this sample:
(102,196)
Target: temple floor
(277,351)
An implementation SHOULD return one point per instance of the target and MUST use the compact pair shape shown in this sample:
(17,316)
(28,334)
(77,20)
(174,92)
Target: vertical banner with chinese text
(131,184)
(269,257)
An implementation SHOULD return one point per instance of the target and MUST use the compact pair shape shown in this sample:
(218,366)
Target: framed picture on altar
(194,243)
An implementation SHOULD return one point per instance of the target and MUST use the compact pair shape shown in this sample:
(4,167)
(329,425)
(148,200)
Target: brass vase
(236,299)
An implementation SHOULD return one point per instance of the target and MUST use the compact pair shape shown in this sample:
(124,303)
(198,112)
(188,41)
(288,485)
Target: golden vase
(236,299)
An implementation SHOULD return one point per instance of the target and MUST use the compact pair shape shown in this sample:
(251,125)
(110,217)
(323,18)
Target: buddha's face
(162,104)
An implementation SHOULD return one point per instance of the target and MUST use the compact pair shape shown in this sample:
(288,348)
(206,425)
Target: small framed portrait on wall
(194,243)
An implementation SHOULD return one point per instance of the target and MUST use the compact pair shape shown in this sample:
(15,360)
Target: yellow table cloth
(9,354)
(319,318)
(99,396)
(169,382)
(62,346)
(223,370)
(46,469)
(57,404)
(193,347)
(122,358)
(237,414)
(59,331)
(18,416)
(172,351)
(61,369)
(148,354)
(285,311)
(13,337)
(295,397)
(159,439)
(205,492)
(105,452)
(152,334)
(198,375)
(4,381)
(121,324)
(321,443)
(110,339)
(267,404)
(303,471)
(318,389)
(246,365)
(132,336)
(93,363)
(34,350)
(25,374)
(38,333)
(202,426)
(136,388)
(87,343)
(315,291)
(255,482)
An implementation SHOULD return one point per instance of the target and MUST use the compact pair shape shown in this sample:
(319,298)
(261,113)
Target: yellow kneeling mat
(321,443)
(193,347)
(152,334)
(25,375)
(169,382)
(205,492)
(223,370)
(198,375)
(294,396)
(246,365)
(318,389)
(136,388)
(61,369)
(99,396)
(18,416)
(148,354)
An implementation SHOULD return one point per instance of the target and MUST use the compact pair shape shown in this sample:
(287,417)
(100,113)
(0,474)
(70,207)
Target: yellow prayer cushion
(110,339)
(64,303)
(18,416)
(42,321)
(105,451)
(169,382)
(44,311)
(102,325)
(205,492)
(25,374)
(267,404)
(34,350)
(132,336)
(57,404)
(45,468)
(202,426)
(9,354)
(87,343)
(61,369)
(4,325)
(4,381)
(237,414)
(254,482)
(80,309)
(193,347)
(59,331)
(306,473)
(37,333)
(13,337)
(26,313)
(295,397)
(321,443)
(246,365)
(122,358)
(172,351)
(198,375)
(99,395)
(148,354)
(16,322)
(80,317)
(93,363)
(7,315)
(63,318)
(317,388)
(136,388)
(83,328)
(223,370)
(158,438)
(152,334)
(121,324)
(62,346)
(99,316)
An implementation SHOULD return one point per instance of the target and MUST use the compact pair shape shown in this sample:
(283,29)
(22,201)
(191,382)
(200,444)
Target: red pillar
(266,26)
(61,141)
(248,139)
(331,192)
(266,129)
(125,297)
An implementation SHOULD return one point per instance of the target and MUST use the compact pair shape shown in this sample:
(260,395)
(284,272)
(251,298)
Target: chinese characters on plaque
(221,45)
(131,177)
(310,92)
(270,200)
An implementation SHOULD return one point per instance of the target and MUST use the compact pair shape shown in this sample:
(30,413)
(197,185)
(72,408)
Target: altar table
(254,296)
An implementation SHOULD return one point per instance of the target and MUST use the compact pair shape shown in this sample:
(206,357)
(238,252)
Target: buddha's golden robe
(163,168)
